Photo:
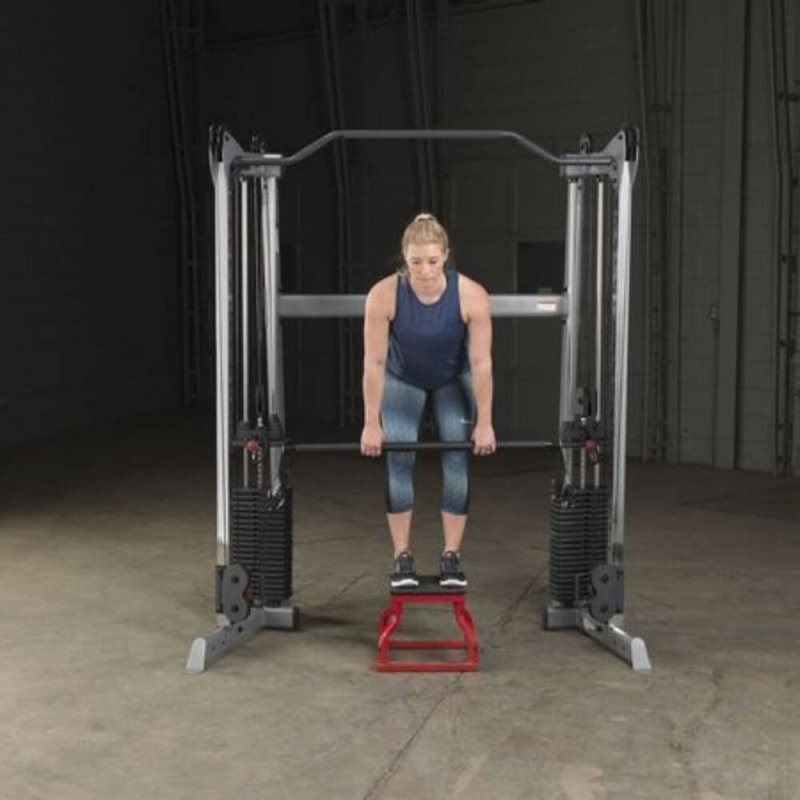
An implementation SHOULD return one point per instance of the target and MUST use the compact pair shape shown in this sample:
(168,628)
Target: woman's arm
(477,310)
(376,339)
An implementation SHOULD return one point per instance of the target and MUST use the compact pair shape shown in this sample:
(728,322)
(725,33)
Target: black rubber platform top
(429,584)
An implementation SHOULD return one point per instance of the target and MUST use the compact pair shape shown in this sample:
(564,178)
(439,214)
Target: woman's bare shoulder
(470,290)
(380,297)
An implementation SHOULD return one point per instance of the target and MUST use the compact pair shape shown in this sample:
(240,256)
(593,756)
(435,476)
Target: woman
(427,338)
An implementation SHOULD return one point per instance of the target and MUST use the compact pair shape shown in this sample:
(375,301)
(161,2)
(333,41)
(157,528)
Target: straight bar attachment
(354,447)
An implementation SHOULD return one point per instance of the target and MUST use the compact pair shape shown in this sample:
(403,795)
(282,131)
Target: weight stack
(261,541)
(578,540)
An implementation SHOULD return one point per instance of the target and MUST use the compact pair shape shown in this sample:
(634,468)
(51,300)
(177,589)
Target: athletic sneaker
(451,574)
(404,573)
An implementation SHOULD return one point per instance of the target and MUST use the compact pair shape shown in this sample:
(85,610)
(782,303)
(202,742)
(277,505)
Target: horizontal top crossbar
(271,159)
(311,306)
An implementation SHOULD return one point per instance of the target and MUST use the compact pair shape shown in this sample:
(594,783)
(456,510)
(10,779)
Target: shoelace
(450,561)
(405,562)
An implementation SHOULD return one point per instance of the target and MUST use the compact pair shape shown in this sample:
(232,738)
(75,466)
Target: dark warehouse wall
(714,374)
(89,306)
(93,300)
(540,69)
(552,71)
(731,257)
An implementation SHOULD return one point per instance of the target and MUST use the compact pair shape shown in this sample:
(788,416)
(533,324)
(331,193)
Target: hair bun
(424,229)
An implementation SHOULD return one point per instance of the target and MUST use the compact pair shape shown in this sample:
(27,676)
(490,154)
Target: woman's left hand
(483,440)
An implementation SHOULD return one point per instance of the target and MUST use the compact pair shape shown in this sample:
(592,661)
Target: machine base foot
(609,634)
(205,649)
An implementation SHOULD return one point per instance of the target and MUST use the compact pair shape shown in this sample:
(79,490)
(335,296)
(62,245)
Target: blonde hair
(424,229)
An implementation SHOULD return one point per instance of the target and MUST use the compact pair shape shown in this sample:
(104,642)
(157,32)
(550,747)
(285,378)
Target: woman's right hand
(372,440)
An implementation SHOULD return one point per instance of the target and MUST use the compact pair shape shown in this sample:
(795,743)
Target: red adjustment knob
(252,446)
(592,449)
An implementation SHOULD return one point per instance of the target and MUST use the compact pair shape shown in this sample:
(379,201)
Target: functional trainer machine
(254,499)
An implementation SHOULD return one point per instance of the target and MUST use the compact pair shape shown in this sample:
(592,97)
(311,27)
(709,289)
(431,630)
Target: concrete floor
(107,549)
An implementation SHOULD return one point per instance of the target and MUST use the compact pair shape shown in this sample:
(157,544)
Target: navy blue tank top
(427,343)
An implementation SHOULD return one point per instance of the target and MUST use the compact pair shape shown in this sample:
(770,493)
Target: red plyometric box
(427,593)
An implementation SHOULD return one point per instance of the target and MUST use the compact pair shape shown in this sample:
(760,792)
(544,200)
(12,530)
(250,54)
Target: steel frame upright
(220,170)
(571,333)
(622,264)
(270,249)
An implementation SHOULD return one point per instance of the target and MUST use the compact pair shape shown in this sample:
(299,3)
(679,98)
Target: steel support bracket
(232,582)
(575,171)
(250,170)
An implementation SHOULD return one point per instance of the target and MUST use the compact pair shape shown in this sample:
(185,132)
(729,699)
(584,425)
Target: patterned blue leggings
(453,408)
